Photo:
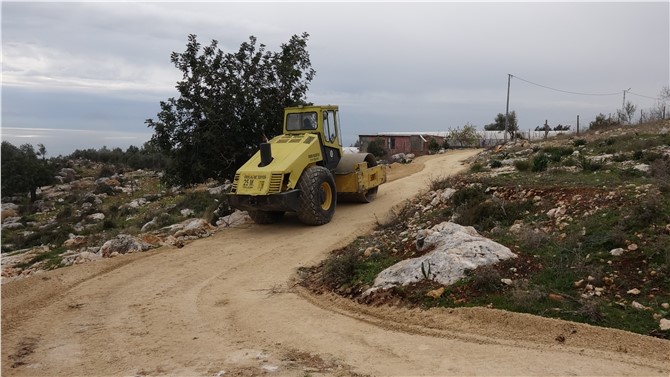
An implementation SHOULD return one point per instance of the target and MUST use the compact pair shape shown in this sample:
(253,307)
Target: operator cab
(320,120)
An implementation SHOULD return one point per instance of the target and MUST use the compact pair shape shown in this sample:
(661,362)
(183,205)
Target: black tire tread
(310,211)
(266,217)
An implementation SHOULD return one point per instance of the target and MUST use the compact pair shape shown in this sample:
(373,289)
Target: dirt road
(228,305)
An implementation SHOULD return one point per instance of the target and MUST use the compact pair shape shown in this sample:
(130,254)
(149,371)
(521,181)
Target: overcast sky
(84,75)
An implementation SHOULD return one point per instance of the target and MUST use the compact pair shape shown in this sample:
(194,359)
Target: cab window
(301,121)
(330,125)
(327,125)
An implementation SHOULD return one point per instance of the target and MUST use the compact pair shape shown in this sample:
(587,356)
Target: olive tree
(228,103)
(22,171)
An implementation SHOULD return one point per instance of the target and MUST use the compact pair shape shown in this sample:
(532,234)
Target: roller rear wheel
(266,217)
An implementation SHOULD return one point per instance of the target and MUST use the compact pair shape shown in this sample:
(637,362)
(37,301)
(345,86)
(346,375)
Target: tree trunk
(33,194)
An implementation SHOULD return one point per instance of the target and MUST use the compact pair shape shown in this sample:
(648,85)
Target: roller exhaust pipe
(266,154)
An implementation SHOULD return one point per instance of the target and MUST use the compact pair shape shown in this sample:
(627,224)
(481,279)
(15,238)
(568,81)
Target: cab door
(332,144)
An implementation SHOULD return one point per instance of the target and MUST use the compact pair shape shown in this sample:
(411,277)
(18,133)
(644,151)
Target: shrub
(588,165)
(198,201)
(495,164)
(65,213)
(51,259)
(650,209)
(486,214)
(108,224)
(522,165)
(650,156)
(660,169)
(630,173)
(531,239)
(540,163)
(468,195)
(103,188)
(578,142)
(590,312)
(556,153)
(433,145)
(106,171)
(526,296)
(485,279)
(602,122)
(340,268)
(376,147)
(476,167)
(620,157)
(397,216)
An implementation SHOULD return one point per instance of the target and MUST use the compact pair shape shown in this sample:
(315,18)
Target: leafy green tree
(433,145)
(376,148)
(228,103)
(602,122)
(465,137)
(22,171)
(626,114)
(499,123)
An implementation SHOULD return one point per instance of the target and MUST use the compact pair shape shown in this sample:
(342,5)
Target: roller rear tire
(266,217)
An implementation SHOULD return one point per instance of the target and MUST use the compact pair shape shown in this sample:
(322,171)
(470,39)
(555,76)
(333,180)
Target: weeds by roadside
(589,219)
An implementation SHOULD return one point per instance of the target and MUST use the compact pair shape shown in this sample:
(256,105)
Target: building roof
(483,134)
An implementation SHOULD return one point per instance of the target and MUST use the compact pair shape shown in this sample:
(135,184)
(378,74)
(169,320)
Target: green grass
(51,258)
(550,263)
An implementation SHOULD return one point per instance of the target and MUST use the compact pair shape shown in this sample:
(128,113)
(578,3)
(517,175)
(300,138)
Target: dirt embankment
(228,304)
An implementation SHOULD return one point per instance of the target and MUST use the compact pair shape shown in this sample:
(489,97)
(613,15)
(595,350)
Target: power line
(640,95)
(567,91)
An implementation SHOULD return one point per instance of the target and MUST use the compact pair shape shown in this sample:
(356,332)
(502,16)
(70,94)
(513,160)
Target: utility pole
(623,105)
(509,78)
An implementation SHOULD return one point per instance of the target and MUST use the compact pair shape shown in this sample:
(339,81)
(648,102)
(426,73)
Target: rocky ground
(585,219)
(229,304)
(95,213)
(574,227)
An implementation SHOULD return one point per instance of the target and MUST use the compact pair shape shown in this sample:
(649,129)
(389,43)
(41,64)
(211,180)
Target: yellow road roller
(305,171)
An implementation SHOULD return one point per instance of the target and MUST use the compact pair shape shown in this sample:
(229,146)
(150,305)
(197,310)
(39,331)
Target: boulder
(195,228)
(617,252)
(153,224)
(556,212)
(137,203)
(113,182)
(447,194)
(457,249)
(12,206)
(235,219)
(68,174)
(642,167)
(12,223)
(220,189)
(9,213)
(96,216)
(122,244)
(79,258)
(74,242)
(43,206)
(152,239)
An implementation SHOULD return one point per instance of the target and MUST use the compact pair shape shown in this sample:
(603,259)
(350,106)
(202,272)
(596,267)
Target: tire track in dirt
(226,303)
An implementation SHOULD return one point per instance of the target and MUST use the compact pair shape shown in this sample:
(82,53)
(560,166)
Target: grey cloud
(391,66)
